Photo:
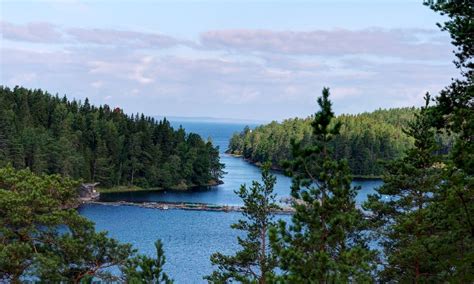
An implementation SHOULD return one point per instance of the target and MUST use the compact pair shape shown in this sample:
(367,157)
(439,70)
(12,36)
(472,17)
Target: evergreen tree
(144,269)
(453,112)
(401,208)
(82,254)
(42,235)
(103,166)
(325,242)
(455,104)
(366,140)
(50,134)
(254,263)
(4,138)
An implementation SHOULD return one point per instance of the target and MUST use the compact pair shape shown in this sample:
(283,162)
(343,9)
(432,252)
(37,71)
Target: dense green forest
(49,134)
(366,140)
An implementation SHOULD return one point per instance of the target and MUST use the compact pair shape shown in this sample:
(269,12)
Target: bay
(190,237)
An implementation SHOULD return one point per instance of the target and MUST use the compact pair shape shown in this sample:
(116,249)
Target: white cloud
(268,75)
(97,84)
(403,43)
(122,38)
(40,32)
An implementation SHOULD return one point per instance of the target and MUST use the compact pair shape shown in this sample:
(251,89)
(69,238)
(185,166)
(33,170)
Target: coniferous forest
(366,140)
(49,134)
(417,227)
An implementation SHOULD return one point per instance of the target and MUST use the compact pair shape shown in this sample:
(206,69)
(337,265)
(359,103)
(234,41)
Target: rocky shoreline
(182,206)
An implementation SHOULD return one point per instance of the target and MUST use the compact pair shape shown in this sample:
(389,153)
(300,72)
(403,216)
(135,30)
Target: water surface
(190,237)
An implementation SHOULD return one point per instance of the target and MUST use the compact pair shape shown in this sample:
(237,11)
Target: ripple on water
(190,237)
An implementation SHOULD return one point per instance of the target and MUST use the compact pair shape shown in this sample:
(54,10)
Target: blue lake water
(190,237)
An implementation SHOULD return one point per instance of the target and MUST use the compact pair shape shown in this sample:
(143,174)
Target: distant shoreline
(117,189)
(280,170)
(212,120)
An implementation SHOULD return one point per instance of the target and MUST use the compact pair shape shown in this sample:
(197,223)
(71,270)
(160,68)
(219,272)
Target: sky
(248,60)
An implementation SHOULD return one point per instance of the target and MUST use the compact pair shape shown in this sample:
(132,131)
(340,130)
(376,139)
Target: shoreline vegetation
(54,135)
(280,170)
(180,187)
(367,141)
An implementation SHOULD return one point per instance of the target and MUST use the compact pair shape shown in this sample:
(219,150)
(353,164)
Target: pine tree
(33,207)
(454,109)
(254,263)
(453,112)
(401,209)
(79,255)
(325,242)
(144,269)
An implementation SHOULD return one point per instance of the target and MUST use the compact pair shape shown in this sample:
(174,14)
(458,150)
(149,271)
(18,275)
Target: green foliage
(43,236)
(82,254)
(325,242)
(401,208)
(454,105)
(49,134)
(144,269)
(366,140)
(254,263)
(454,112)
(424,210)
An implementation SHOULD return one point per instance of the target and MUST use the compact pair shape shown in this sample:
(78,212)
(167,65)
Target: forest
(366,140)
(417,227)
(49,134)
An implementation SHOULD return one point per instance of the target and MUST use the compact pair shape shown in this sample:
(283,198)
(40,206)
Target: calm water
(190,237)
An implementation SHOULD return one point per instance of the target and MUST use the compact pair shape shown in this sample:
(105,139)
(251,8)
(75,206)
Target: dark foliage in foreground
(424,212)
(254,262)
(325,242)
(42,237)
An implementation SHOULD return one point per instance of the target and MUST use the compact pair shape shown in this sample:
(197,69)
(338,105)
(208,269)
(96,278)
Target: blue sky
(257,60)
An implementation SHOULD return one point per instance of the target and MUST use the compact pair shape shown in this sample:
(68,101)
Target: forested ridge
(49,134)
(366,140)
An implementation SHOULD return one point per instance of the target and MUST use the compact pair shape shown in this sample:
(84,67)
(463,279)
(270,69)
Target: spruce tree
(50,134)
(255,262)
(325,241)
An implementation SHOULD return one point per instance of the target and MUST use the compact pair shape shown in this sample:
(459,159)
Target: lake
(190,237)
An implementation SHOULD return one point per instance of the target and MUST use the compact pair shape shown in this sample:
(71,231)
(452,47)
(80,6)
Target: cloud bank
(252,74)
(408,43)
